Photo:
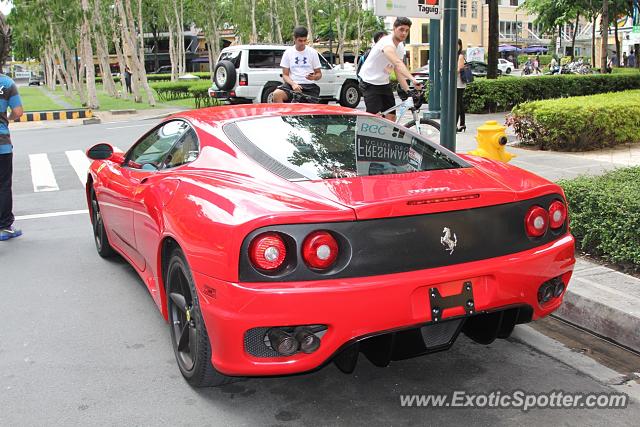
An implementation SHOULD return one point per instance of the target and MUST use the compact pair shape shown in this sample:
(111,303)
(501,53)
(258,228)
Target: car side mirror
(104,151)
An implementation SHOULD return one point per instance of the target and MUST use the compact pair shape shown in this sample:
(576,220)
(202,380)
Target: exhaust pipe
(309,342)
(282,342)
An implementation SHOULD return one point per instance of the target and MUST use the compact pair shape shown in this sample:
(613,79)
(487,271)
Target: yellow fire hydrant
(491,141)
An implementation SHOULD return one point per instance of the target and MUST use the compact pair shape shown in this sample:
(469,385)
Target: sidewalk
(598,299)
(104,116)
(551,164)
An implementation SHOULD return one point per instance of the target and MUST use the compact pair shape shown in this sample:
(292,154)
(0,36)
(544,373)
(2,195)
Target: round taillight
(320,250)
(536,221)
(267,251)
(557,214)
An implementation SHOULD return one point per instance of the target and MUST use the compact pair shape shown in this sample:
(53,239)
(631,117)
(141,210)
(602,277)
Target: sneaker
(9,232)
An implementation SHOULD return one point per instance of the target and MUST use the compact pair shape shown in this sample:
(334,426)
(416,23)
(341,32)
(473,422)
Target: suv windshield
(338,146)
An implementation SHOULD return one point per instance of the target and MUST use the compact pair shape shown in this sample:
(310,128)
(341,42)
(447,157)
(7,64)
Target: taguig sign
(430,9)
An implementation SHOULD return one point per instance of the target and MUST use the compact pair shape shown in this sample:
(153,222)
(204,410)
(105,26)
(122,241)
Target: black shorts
(377,98)
(307,89)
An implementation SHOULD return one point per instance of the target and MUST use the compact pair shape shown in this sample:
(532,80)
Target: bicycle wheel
(428,128)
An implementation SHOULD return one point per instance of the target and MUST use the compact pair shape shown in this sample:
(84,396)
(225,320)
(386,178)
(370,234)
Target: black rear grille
(408,243)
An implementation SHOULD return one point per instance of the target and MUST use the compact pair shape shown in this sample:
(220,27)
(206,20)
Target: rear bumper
(353,308)
(243,93)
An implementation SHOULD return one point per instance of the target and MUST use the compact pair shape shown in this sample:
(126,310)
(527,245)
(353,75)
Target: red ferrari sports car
(278,238)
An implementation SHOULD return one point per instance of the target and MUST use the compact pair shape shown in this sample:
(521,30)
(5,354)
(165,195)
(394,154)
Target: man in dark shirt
(9,98)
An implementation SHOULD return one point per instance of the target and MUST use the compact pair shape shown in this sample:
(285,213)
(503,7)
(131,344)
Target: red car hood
(382,196)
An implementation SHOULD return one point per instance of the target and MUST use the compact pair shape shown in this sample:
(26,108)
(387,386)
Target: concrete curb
(76,113)
(604,302)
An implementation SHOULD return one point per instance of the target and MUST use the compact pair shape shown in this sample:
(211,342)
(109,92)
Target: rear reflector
(267,251)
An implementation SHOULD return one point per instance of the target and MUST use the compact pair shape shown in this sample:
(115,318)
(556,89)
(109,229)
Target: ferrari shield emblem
(448,242)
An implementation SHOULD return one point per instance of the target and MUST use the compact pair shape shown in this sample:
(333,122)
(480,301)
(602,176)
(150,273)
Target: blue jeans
(6,199)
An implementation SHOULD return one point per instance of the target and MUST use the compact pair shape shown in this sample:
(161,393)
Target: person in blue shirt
(9,99)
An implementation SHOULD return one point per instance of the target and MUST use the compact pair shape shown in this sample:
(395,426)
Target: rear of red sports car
(352,236)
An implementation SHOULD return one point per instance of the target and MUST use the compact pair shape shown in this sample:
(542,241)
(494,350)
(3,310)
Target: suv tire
(350,94)
(269,88)
(224,75)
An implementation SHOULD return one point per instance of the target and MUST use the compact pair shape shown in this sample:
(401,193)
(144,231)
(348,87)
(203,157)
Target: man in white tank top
(386,56)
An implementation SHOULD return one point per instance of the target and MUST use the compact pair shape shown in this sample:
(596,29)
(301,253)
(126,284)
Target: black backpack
(361,61)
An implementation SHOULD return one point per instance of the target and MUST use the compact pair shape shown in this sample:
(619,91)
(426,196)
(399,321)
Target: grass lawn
(108,103)
(34,99)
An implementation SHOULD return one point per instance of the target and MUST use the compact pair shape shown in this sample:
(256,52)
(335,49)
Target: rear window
(265,58)
(234,56)
(339,146)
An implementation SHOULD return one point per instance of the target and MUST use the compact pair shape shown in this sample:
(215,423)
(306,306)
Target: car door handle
(143,180)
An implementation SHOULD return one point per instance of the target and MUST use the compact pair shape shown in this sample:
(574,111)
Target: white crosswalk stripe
(54,171)
(41,173)
(80,164)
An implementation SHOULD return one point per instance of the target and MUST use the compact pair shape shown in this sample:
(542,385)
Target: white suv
(250,74)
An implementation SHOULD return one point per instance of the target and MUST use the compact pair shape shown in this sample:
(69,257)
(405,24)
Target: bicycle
(298,97)
(413,102)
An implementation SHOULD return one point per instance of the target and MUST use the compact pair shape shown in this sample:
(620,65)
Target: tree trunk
(494,39)
(254,29)
(141,35)
(593,40)
(137,68)
(278,29)
(132,46)
(87,54)
(102,51)
(306,12)
(617,37)
(573,41)
(72,66)
(605,36)
(122,61)
(296,22)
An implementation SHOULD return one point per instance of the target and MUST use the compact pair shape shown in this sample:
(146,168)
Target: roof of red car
(228,113)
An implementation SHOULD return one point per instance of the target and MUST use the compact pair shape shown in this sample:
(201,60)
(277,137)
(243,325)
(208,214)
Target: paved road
(82,343)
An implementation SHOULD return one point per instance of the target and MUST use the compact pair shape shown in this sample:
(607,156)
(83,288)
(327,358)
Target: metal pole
(434,69)
(516,52)
(449,75)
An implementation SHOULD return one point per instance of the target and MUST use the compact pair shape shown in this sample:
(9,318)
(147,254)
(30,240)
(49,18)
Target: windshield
(338,146)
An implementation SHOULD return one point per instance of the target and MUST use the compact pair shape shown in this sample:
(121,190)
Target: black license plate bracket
(464,299)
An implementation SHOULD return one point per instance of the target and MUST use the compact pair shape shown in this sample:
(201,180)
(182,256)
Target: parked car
(275,239)
(505,66)
(251,73)
(479,69)
(165,69)
(422,74)
(34,80)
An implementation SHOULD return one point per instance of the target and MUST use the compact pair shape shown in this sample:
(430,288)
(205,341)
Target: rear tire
(427,128)
(224,75)
(100,238)
(189,337)
(350,95)
(267,93)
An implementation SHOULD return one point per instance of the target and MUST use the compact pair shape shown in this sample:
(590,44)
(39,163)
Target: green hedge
(200,93)
(580,123)
(168,91)
(161,77)
(605,215)
(484,95)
